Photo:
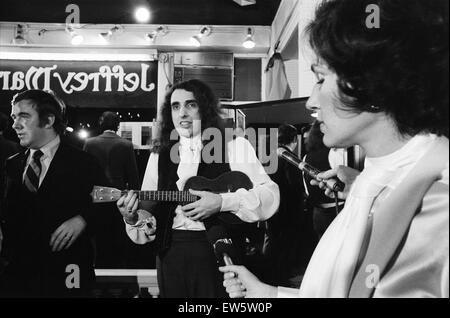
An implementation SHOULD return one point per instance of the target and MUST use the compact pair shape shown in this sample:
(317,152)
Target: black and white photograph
(213,151)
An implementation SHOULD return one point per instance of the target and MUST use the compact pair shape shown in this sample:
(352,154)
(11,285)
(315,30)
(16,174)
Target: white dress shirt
(48,151)
(256,204)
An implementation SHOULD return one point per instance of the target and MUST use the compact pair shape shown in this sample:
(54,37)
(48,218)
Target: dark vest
(165,212)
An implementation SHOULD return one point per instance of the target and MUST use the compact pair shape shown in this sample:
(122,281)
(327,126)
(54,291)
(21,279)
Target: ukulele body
(227,182)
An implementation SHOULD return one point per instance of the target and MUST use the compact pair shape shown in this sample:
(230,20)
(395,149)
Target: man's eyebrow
(21,114)
(175,103)
(190,101)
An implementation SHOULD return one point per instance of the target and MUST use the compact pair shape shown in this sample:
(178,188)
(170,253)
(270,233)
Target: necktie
(31,179)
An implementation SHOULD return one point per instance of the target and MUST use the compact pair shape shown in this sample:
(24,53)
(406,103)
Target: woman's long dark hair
(400,67)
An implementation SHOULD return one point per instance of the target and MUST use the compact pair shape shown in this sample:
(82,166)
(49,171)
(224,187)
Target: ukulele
(227,182)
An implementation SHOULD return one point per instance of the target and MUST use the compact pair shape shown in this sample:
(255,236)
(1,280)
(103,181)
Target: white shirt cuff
(137,224)
(230,202)
(144,218)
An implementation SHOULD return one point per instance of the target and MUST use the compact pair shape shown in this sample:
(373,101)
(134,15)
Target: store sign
(83,83)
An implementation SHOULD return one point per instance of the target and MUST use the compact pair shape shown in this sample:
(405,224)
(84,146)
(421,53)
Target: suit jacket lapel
(16,166)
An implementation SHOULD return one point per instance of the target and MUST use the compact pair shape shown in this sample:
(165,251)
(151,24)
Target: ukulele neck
(168,196)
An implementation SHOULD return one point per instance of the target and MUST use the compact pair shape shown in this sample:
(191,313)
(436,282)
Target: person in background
(385,89)
(290,238)
(185,235)
(69,136)
(7,149)
(117,159)
(323,208)
(47,206)
(114,153)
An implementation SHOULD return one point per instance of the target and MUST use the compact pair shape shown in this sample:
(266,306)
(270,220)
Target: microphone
(223,248)
(333,184)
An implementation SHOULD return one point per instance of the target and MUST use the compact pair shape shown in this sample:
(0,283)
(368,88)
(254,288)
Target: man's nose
(183,111)
(15,124)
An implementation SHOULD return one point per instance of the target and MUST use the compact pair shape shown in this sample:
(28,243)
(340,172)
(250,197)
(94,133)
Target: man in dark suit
(323,208)
(290,239)
(7,149)
(116,157)
(47,206)
(114,153)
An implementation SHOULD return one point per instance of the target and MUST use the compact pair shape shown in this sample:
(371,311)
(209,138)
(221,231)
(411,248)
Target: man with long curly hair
(184,235)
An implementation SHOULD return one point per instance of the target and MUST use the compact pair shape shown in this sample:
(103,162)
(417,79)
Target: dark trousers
(189,268)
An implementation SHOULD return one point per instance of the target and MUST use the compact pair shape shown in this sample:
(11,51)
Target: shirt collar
(193,143)
(48,149)
(405,155)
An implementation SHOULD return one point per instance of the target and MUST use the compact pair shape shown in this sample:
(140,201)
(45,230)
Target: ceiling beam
(176,38)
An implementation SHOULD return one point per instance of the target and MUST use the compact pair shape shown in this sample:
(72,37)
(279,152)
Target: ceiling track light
(106,36)
(162,30)
(245,2)
(196,39)
(76,39)
(150,37)
(19,38)
(249,43)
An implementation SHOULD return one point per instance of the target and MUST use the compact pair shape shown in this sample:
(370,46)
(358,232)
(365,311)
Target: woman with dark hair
(385,89)
(184,235)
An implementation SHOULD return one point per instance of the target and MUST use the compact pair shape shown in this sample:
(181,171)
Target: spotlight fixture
(142,14)
(106,36)
(150,37)
(249,43)
(196,39)
(19,39)
(243,3)
(77,39)
(160,31)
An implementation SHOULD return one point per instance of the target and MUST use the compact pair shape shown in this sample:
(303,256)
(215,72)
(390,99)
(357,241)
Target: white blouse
(424,254)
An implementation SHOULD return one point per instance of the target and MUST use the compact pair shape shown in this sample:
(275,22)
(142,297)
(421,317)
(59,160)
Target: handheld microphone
(333,184)
(222,248)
